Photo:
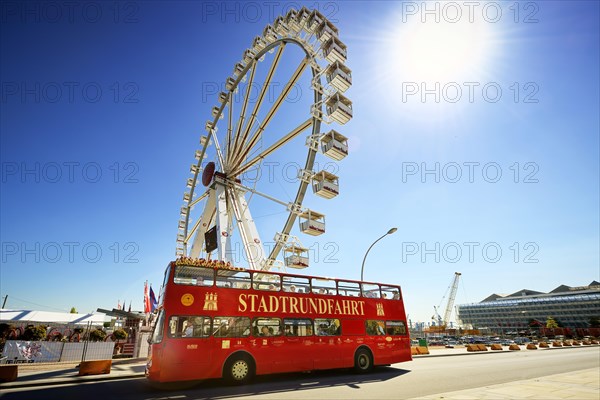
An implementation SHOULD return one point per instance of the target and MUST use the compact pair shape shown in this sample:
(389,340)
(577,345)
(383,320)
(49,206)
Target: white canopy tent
(16,316)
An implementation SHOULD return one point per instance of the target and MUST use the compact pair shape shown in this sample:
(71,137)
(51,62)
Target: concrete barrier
(496,346)
(556,344)
(543,345)
(422,350)
(586,342)
(531,346)
(8,373)
(567,343)
(514,347)
(95,367)
(595,342)
(482,347)
(472,347)
(576,343)
(413,351)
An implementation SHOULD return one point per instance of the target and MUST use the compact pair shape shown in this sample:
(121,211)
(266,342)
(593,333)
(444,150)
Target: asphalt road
(421,377)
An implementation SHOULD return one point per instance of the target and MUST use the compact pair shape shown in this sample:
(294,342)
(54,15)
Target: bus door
(298,351)
(267,345)
(188,346)
(327,347)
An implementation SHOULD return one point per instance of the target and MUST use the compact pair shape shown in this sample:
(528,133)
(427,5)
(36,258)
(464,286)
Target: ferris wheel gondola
(217,192)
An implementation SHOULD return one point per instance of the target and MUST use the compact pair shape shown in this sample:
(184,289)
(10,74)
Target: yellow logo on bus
(187,299)
(380,312)
(210,301)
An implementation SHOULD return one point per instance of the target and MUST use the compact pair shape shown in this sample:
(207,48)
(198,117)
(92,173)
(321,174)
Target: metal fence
(26,352)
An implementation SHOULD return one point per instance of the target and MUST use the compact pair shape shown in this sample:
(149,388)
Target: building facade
(572,307)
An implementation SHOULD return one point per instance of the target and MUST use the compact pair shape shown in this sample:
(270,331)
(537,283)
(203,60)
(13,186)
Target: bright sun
(439,51)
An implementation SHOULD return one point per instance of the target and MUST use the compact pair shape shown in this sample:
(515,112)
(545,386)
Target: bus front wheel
(363,361)
(239,370)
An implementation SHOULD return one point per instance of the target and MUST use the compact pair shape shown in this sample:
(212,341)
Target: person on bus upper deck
(265,331)
(293,288)
(396,296)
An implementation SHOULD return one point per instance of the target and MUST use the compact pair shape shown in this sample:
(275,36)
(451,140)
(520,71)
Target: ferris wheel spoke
(258,103)
(242,118)
(240,156)
(292,134)
(229,130)
(199,199)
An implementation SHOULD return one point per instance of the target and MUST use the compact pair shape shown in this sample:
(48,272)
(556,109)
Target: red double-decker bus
(217,321)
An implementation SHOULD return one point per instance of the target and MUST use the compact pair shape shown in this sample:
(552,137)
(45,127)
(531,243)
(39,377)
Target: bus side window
(395,328)
(239,280)
(370,290)
(297,327)
(327,326)
(189,326)
(346,288)
(193,275)
(266,327)
(375,327)
(390,292)
(231,326)
(266,281)
(295,284)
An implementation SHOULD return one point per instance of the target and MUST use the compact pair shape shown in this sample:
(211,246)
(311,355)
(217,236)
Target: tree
(34,332)
(551,323)
(73,310)
(119,334)
(97,335)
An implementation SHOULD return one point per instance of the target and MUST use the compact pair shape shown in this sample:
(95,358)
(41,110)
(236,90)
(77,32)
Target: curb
(461,354)
(496,352)
(64,381)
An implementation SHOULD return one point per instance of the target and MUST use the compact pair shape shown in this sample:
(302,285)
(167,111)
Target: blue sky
(102,109)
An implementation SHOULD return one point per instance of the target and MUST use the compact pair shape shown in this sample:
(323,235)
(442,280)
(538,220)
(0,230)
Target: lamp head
(392,231)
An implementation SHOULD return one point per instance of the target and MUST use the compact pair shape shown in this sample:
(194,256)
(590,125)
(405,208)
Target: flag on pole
(118,304)
(147,308)
(153,302)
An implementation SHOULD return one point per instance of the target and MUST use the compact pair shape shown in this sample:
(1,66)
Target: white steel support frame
(203,224)
(223,223)
(253,246)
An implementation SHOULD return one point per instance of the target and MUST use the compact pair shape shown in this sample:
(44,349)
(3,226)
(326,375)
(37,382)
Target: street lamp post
(362,270)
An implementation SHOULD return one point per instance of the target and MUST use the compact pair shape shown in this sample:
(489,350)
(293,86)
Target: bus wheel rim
(363,361)
(239,369)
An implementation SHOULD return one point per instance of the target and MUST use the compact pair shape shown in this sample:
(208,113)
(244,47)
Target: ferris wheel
(255,120)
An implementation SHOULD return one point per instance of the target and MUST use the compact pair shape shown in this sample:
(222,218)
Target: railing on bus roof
(200,272)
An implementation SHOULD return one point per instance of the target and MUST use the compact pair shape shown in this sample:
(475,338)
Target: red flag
(147,307)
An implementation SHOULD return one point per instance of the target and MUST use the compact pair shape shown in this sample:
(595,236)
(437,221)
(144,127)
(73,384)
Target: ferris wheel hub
(208,173)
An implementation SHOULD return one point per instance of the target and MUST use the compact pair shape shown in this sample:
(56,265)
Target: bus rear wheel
(363,361)
(239,370)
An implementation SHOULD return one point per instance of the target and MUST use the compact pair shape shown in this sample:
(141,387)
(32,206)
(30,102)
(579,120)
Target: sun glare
(422,67)
(440,51)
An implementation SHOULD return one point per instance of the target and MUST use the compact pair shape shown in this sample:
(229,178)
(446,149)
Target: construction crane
(442,323)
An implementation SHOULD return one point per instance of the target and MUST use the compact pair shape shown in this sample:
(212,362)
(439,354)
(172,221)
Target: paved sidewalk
(120,369)
(584,384)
